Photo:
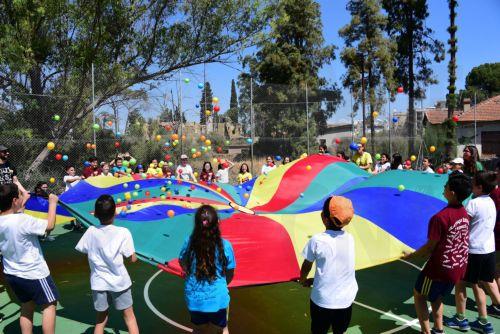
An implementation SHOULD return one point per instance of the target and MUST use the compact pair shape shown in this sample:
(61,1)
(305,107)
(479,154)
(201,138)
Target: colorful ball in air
(408,163)
(215,99)
(58,156)
(378,156)
(337,141)
(200,85)
(65,157)
(197,106)
(170,213)
(147,193)
(440,170)
(228,142)
(88,146)
(249,140)
(208,142)
(363,140)
(208,112)
(123,213)
(455,119)
(301,194)
(110,123)
(401,187)
(374,114)
(354,146)
(174,136)
(117,144)
(52,180)
(303,155)
(308,167)
(413,158)
(129,206)
(278,158)
(51,146)
(400,89)
(219,149)
(132,161)
(137,186)
(248,188)
(216,108)
(187,80)
(93,146)
(158,137)
(193,150)
(56,118)
(118,134)
(432,149)
(394,120)
(170,163)
(86,163)
(96,126)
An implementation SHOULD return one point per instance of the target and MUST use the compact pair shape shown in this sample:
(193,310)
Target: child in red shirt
(447,248)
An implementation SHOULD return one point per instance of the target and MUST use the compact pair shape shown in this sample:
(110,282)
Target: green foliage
(232,113)
(484,81)
(205,102)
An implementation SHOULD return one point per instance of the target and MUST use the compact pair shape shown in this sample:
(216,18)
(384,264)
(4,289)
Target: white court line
(158,313)
(387,314)
(397,329)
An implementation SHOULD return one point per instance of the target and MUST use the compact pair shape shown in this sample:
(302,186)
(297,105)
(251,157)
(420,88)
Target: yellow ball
(246,195)
(158,137)
(50,146)
(413,158)
(128,196)
(52,180)
(375,114)
(215,160)
(432,149)
(195,174)
(208,112)
(363,140)
(308,167)
(304,155)
(219,189)
(215,99)
(208,142)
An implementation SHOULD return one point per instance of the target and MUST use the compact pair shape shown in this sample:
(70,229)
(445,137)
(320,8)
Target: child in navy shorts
(208,263)
(25,268)
(447,249)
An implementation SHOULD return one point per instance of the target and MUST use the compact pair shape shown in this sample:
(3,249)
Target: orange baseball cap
(341,208)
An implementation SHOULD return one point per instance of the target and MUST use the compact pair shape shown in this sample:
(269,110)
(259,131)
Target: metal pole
(93,111)
(475,123)
(389,124)
(252,133)
(307,120)
(180,109)
(352,119)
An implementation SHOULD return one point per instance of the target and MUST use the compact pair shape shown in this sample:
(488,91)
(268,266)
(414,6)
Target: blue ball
(123,214)
(394,120)
(86,163)
(249,140)
(354,146)
(129,207)
(248,188)
(118,134)
(278,157)
(200,85)
(139,166)
(197,106)
(65,157)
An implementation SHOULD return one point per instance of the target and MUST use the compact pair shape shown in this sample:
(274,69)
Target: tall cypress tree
(368,54)
(415,45)
(232,113)
(205,102)
(451,98)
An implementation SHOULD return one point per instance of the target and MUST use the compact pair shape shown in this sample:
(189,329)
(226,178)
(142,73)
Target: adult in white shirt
(383,164)
(24,266)
(335,286)
(426,166)
(222,174)
(268,166)
(184,171)
(71,180)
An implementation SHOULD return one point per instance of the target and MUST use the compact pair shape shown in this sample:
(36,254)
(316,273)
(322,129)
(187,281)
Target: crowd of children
(461,251)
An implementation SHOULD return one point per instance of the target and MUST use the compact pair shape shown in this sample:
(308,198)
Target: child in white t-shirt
(71,180)
(481,262)
(24,267)
(105,246)
(184,170)
(222,174)
(335,286)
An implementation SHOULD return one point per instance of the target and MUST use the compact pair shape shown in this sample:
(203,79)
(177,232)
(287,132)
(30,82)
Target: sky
(478,43)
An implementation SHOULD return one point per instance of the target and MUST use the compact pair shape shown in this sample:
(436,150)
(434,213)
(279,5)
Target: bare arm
(51,216)
(229,275)
(133,258)
(73,179)
(304,271)
(423,252)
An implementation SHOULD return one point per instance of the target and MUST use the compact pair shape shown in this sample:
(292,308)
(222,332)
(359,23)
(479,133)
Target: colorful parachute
(269,219)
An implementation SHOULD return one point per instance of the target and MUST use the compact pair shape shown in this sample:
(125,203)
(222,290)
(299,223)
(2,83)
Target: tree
(415,44)
(287,63)
(232,113)
(47,48)
(483,81)
(368,54)
(451,98)
(205,103)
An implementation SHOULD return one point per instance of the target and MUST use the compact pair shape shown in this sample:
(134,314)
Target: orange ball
(174,136)
(203,138)
(171,213)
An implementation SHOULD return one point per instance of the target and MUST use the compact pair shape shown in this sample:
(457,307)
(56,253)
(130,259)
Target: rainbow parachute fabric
(269,219)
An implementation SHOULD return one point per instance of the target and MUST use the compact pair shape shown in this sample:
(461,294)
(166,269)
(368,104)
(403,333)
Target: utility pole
(307,119)
(93,110)
(252,132)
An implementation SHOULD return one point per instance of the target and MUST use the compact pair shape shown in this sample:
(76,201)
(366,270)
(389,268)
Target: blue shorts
(432,290)
(41,291)
(218,318)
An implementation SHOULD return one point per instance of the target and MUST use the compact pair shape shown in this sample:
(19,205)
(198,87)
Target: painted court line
(397,329)
(155,310)
(387,314)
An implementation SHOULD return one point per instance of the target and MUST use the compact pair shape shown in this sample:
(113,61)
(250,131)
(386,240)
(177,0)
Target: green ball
(135,194)
(118,200)
(228,142)
(187,80)
(378,156)
(133,161)
(57,118)
(193,150)
(401,187)
(125,163)
(96,126)
(163,197)
(137,186)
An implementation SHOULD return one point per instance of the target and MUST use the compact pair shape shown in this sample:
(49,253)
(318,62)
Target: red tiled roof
(486,111)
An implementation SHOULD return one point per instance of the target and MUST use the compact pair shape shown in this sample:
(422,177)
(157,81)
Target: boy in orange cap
(334,284)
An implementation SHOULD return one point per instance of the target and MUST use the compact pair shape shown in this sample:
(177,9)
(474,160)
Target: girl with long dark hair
(472,165)
(208,263)
(397,161)
(207,174)
(244,175)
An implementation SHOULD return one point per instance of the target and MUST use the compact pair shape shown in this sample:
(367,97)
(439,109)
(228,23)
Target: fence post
(307,119)
(252,134)
(93,111)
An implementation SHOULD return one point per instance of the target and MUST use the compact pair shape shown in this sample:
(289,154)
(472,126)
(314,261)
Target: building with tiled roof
(479,124)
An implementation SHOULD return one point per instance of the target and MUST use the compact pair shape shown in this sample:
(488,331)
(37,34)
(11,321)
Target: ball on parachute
(170,213)
(401,187)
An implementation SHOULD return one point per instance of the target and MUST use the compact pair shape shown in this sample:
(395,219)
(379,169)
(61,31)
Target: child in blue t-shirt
(208,263)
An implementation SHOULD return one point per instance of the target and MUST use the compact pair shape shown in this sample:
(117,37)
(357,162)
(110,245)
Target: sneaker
(50,238)
(455,323)
(486,328)
(494,311)
(435,331)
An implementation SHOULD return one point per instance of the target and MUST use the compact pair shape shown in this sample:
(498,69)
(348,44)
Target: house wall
(465,132)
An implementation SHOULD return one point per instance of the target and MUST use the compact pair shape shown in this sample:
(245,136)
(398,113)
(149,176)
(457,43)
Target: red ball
(117,144)
(219,149)
(440,170)
(455,119)
(400,89)
(58,156)
(192,187)
(167,157)
(147,193)
(337,140)
(408,163)
(216,108)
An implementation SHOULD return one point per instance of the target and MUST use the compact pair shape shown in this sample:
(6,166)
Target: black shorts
(322,319)
(432,289)
(218,318)
(41,291)
(481,267)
